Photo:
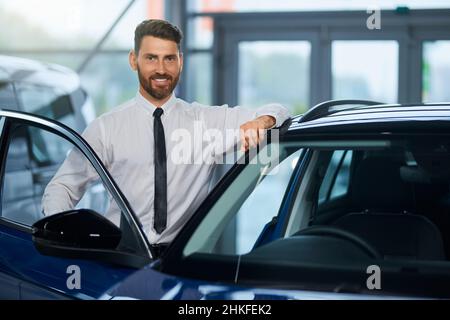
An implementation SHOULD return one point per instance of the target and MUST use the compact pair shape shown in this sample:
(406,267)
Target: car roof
(348,117)
(14,69)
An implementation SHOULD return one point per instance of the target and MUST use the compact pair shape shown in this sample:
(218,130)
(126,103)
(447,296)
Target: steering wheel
(341,234)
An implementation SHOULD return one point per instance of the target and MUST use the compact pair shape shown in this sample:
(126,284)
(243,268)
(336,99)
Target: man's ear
(132,58)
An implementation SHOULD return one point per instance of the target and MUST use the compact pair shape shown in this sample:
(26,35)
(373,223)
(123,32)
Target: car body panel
(421,118)
(166,287)
(19,258)
(39,276)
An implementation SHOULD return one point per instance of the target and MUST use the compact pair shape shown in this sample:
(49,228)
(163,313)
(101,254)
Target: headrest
(416,174)
(433,160)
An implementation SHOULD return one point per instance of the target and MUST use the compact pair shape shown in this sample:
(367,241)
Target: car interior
(352,207)
(393,210)
(401,208)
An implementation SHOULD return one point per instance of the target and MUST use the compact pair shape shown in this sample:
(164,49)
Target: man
(135,141)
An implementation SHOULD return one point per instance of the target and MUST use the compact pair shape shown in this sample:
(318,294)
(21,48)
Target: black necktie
(160,203)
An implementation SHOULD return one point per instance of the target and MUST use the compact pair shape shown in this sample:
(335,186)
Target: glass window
(341,184)
(200,32)
(81,101)
(46,101)
(382,184)
(396,217)
(122,81)
(272,71)
(37,157)
(199,86)
(436,71)
(365,70)
(337,177)
(34,156)
(79,25)
(249,204)
(18,203)
(295,5)
(2,124)
(7,96)
(47,148)
(266,200)
(4,76)
(330,175)
(122,37)
(74,24)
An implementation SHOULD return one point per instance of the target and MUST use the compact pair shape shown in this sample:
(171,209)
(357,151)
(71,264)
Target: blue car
(349,201)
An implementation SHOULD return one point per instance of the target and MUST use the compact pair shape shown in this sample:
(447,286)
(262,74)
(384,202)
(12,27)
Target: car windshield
(332,205)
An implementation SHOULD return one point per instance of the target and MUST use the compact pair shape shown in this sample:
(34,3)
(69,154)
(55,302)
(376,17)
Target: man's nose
(161,68)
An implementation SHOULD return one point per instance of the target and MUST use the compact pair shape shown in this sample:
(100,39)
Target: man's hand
(253,132)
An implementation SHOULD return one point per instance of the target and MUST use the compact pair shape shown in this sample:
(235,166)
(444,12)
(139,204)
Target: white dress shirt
(123,139)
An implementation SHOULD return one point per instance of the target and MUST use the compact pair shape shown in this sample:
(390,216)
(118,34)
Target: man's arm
(251,122)
(70,182)
(252,132)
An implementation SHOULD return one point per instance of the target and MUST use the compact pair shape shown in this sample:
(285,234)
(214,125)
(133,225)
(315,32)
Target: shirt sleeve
(224,117)
(75,174)
(227,121)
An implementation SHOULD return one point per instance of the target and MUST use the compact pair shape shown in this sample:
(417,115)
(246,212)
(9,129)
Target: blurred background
(246,52)
(239,52)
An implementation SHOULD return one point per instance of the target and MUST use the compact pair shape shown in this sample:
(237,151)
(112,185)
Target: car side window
(256,202)
(265,200)
(337,177)
(33,158)
(7,96)
(46,174)
(47,102)
(341,183)
(47,148)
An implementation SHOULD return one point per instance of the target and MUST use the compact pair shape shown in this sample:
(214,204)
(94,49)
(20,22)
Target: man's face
(158,64)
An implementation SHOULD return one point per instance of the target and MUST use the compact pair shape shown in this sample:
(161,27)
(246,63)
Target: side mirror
(67,231)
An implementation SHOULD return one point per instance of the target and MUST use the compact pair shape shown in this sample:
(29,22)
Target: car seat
(383,217)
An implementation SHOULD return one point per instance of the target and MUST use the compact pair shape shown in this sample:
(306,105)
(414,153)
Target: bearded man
(135,141)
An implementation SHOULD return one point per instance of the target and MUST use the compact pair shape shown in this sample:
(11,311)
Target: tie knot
(158,112)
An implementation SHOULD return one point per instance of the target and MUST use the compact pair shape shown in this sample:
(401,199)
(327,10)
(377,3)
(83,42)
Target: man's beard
(158,93)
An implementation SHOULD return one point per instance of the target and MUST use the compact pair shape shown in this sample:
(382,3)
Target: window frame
(175,256)
(12,118)
(409,29)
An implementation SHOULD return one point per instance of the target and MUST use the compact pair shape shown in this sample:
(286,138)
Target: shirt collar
(150,107)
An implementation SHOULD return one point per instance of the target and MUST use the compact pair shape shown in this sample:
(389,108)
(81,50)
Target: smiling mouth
(161,81)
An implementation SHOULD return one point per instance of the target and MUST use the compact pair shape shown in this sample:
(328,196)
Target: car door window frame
(331,184)
(12,117)
(172,258)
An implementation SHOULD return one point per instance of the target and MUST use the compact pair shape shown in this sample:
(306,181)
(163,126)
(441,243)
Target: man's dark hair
(158,29)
